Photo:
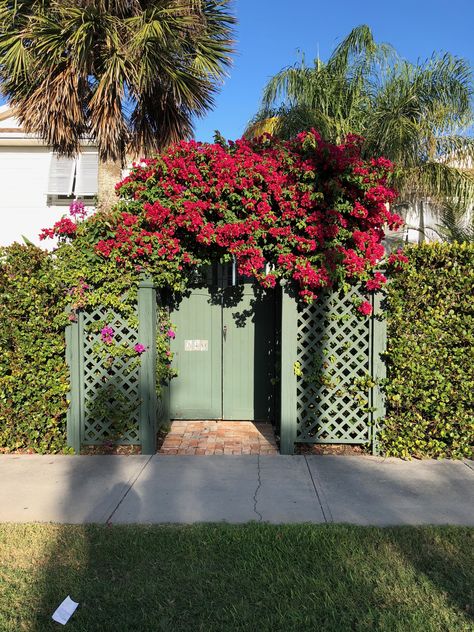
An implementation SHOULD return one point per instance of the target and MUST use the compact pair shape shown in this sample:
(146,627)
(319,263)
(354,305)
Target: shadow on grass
(76,559)
(448,564)
(225,577)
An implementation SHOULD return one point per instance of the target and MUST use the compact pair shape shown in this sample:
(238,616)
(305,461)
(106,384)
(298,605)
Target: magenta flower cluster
(107,335)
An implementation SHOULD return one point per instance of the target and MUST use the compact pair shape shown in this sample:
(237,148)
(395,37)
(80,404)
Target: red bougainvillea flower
(397,260)
(65,227)
(365,308)
(376,282)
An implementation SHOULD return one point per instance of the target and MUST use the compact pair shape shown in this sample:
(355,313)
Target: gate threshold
(210,437)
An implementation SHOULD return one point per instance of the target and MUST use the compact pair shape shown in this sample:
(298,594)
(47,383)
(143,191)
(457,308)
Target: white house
(36,186)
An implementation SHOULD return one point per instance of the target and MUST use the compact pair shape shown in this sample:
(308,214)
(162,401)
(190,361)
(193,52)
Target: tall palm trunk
(110,172)
(421,222)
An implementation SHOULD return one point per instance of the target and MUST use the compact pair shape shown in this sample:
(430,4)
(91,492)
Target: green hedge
(430,359)
(34,378)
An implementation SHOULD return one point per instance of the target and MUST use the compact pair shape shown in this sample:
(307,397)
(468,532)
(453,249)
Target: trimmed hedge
(34,378)
(430,359)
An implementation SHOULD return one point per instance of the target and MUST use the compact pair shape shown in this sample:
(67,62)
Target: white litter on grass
(65,610)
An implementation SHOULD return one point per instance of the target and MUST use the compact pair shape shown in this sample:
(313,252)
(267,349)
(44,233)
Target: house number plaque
(196,345)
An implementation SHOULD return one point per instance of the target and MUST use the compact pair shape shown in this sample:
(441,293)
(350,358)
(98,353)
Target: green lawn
(223,577)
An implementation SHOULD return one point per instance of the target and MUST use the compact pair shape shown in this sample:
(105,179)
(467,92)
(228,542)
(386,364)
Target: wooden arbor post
(74,421)
(378,345)
(147,381)
(289,318)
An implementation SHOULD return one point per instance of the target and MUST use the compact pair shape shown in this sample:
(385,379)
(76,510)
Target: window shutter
(87,174)
(61,175)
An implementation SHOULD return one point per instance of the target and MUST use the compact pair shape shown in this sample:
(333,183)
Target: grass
(226,578)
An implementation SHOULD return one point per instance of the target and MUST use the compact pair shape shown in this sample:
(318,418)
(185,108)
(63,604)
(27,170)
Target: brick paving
(219,437)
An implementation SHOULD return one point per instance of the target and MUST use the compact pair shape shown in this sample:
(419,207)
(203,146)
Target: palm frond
(82,64)
(439,181)
(453,228)
(268,125)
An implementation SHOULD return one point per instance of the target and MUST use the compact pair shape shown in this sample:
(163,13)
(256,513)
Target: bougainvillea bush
(430,358)
(302,210)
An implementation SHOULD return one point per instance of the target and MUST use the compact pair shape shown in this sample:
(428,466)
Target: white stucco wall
(24,173)
(23,201)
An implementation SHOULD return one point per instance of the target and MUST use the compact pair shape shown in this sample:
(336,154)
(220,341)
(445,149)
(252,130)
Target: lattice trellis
(334,372)
(113,390)
(110,385)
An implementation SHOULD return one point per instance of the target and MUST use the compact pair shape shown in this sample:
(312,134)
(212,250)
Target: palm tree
(128,74)
(455,224)
(416,115)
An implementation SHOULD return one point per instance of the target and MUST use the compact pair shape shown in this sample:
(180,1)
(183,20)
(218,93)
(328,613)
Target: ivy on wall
(430,358)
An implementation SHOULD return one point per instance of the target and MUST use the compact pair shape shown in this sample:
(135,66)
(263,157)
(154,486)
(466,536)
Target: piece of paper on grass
(65,610)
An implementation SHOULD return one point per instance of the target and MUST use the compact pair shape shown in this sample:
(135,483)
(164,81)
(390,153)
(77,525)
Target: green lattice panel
(333,349)
(110,388)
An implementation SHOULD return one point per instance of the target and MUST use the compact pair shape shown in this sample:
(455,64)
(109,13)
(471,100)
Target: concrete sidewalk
(186,489)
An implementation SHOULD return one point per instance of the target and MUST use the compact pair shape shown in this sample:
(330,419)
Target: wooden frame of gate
(331,374)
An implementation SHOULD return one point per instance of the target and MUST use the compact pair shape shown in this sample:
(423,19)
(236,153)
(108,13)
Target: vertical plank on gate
(378,344)
(73,359)
(289,324)
(147,388)
(163,401)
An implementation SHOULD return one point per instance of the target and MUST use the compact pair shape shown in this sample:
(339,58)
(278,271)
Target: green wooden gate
(224,353)
(332,370)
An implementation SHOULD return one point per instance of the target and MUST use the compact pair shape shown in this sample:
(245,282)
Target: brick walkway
(219,437)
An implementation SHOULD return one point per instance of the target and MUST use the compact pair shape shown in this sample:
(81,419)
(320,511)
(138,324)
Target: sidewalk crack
(134,480)
(259,484)
(328,517)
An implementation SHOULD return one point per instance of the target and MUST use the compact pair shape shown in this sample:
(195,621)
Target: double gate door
(224,351)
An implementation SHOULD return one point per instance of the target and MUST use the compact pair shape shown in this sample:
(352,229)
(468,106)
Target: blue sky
(270,33)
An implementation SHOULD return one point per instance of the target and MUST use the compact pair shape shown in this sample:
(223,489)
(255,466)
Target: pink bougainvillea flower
(139,348)
(77,209)
(170,333)
(107,335)
(365,308)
